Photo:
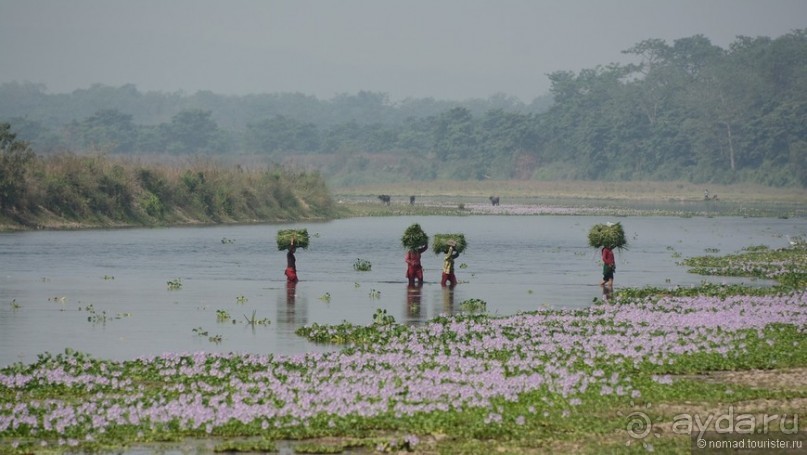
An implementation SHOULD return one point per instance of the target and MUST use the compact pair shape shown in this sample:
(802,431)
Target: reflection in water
(448,299)
(291,292)
(293,312)
(607,291)
(414,299)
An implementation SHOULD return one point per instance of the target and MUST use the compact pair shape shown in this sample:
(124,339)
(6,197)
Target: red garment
(291,275)
(608,256)
(450,278)
(414,270)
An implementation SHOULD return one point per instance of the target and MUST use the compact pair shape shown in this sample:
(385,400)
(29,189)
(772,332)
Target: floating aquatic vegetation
(222,316)
(362,265)
(786,265)
(251,446)
(253,321)
(382,318)
(211,338)
(175,284)
(473,306)
(96,317)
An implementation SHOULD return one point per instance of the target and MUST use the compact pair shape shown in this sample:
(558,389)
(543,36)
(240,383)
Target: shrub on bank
(97,190)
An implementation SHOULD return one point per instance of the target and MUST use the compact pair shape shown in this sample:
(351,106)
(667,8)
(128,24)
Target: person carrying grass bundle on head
(608,267)
(291,262)
(448,265)
(416,242)
(607,237)
(414,269)
(290,240)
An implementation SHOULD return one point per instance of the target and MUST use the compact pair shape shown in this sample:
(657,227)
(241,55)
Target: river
(105,292)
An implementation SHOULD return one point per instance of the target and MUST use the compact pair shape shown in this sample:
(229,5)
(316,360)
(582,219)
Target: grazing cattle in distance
(384,198)
(411,200)
(494,200)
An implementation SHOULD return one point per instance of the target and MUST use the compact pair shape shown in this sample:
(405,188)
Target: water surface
(49,279)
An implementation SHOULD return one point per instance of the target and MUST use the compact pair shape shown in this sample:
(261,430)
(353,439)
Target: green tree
(282,134)
(106,130)
(192,131)
(15,157)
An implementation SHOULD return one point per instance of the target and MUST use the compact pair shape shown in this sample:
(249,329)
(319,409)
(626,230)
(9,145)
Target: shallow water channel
(105,292)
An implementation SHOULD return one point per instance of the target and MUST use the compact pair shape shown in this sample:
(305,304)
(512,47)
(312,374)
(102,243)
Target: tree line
(686,110)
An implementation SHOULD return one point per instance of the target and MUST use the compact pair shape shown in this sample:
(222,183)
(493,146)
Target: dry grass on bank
(683,191)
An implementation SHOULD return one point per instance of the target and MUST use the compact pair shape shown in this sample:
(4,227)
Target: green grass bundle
(414,237)
(284,238)
(441,243)
(611,235)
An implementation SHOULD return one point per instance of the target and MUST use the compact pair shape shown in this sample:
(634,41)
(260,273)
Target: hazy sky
(446,49)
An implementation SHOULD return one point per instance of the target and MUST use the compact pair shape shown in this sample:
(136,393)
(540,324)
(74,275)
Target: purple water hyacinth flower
(568,355)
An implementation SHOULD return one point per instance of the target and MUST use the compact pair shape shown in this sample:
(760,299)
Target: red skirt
(414,272)
(291,274)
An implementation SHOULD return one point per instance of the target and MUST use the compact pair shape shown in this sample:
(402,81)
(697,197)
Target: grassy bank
(640,372)
(71,191)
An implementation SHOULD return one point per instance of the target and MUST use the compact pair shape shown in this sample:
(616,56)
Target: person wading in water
(291,263)
(608,267)
(448,265)
(414,269)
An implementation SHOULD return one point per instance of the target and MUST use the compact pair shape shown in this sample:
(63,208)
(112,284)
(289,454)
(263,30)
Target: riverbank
(639,372)
(68,191)
(454,198)
(582,190)
(572,198)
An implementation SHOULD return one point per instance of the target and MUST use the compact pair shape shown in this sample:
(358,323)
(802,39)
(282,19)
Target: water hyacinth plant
(362,265)
(786,265)
(473,306)
(175,284)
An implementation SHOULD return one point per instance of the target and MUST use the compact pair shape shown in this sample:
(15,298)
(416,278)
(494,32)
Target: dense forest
(687,110)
